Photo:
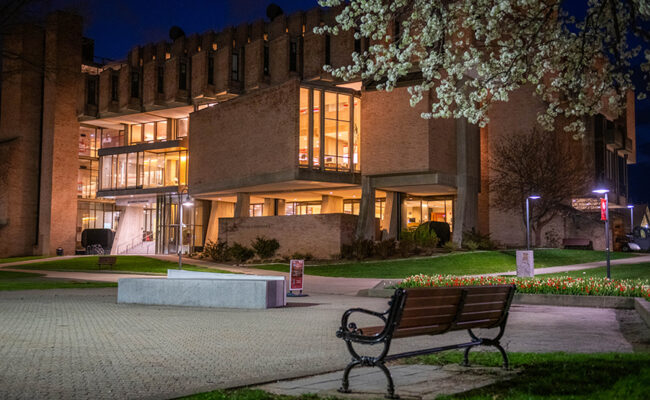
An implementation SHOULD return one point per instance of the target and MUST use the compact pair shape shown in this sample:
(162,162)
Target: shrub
(241,253)
(425,237)
(407,245)
(450,246)
(386,248)
(483,241)
(470,245)
(265,248)
(552,238)
(359,249)
(219,252)
(440,228)
(302,256)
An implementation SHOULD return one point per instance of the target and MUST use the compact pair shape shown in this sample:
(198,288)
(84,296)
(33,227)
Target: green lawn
(133,264)
(622,271)
(542,376)
(16,259)
(10,280)
(558,375)
(473,263)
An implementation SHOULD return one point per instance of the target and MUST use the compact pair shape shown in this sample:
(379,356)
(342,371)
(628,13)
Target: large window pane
(149,132)
(121,171)
(112,138)
(171,169)
(182,173)
(136,133)
(330,144)
(161,130)
(303,154)
(140,177)
(344,146)
(316,117)
(107,168)
(356,134)
(131,171)
(330,105)
(344,108)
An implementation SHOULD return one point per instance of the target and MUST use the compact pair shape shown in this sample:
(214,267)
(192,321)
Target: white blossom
(472,53)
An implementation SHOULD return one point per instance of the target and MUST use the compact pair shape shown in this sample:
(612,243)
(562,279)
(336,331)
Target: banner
(603,209)
(296,272)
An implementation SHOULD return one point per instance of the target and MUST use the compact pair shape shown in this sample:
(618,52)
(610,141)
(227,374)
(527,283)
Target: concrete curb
(642,306)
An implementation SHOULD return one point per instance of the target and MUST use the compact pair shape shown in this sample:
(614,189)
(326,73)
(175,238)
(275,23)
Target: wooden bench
(577,243)
(428,311)
(106,260)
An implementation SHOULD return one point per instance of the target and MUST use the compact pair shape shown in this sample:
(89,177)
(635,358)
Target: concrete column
(281,207)
(366,223)
(467,178)
(331,204)
(269,207)
(219,209)
(242,207)
(391,213)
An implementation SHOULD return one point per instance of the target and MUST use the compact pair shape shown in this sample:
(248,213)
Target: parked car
(639,240)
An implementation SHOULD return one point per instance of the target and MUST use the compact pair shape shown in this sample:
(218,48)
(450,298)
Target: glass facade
(142,170)
(167,223)
(256,210)
(416,211)
(352,206)
(302,208)
(87,178)
(330,135)
(96,215)
(89,141)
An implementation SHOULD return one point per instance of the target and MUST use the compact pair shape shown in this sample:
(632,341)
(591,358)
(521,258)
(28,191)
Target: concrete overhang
(419,183)
(298,179)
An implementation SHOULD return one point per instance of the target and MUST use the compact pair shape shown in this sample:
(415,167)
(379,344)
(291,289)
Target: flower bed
(551,285)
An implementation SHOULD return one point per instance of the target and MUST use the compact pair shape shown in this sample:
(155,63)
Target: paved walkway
(79,343)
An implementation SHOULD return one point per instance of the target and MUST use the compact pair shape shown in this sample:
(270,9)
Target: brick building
(246,122)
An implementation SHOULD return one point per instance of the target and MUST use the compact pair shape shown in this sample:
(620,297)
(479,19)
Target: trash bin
(59,251)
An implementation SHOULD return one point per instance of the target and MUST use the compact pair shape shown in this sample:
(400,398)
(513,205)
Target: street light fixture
(631,207)
(533,197)
(604,192)
(182,201)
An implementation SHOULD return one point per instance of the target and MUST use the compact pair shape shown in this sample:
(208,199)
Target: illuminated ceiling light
(601,190)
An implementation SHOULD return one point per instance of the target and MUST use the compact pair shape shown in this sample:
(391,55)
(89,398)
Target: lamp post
(182,201)
(604,192)
(533,197)
(631,207)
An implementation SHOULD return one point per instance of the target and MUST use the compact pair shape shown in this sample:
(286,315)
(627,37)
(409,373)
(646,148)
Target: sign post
(296,275)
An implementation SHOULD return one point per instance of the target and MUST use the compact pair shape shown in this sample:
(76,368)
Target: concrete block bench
(205,289)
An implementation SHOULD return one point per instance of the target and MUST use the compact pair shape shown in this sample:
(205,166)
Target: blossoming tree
(471,53)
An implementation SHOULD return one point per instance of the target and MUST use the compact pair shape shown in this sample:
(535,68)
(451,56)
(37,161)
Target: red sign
(297,271)
(603,209)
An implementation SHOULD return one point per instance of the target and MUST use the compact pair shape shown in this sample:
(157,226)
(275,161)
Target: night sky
(116,26)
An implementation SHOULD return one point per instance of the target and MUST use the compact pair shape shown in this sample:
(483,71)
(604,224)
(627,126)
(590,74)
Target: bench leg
(466,356)
(390,394)
(345,383)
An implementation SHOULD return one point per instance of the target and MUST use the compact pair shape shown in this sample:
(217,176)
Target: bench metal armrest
(349,331)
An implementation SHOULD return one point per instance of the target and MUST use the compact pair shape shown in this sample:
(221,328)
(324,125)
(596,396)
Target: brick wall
(321,235)
(247,138)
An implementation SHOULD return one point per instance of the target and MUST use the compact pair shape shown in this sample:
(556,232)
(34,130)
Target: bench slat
(492,305)
(434,292)
(485,298)
(422,330)
(433,319)
(481,315)
(422,311)
(422,302)
(483,323)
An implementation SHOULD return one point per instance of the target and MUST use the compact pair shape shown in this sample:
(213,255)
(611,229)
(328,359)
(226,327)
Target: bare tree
(531,163)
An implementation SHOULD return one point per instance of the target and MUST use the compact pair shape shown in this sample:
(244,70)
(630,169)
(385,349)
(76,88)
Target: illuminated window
(149,132)
(161,130)
(335,137)
(136,133)
(256,210)
(303,157)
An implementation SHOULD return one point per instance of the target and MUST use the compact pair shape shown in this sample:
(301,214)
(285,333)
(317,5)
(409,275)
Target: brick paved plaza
(80,344)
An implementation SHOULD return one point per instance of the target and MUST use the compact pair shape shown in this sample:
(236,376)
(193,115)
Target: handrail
(132,243)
